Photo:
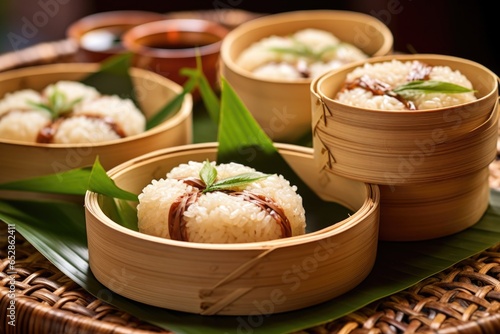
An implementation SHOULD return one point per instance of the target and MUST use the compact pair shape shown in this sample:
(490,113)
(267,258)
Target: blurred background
(464,29)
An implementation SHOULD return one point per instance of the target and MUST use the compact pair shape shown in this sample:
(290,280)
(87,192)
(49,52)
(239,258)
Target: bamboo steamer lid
(405,147)
(22,160)
(234,279)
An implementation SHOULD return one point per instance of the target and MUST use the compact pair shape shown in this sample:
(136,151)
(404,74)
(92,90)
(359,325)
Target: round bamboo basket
(25,160)
(431,165)
(234,279)
(282,107)
(404,147)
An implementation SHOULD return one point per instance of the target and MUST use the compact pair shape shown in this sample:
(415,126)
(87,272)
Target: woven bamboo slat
(460,300)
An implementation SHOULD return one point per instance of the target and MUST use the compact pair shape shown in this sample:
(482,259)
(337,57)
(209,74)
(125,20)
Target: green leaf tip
(208,174)
(57,104)
(101,183)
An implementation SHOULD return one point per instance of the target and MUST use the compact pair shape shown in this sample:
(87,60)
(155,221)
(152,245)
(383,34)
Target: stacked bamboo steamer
(431,165)
(234,279)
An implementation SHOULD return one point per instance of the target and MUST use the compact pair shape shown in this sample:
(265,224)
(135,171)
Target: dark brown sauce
(174,46)
(177,223)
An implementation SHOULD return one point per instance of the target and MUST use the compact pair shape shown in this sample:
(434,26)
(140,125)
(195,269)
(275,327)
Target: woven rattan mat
(463,299)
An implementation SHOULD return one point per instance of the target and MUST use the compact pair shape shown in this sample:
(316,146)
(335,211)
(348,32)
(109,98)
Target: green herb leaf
(430,86)
(208,174)
(236,181)
(57,100)
(41,106)
(57,104)
(301,50)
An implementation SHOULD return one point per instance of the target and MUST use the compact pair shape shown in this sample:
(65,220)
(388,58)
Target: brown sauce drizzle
(177,223)
(47,133)
(418,71)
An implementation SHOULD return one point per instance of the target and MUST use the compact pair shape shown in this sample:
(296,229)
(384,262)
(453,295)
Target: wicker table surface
(462,299)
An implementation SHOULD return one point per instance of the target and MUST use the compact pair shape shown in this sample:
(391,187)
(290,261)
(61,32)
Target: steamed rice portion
(394,73)
(305,54)
(19,120)
(107,113)
(219,216)
(83,115)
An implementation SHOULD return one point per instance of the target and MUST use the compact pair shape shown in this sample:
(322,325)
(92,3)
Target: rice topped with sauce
(305,54)
(176,207)
(372,85)
(68,112)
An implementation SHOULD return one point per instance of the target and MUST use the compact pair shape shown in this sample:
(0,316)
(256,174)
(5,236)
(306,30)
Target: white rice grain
(394,73)
(217,217)
(122,111)
(73,90)
(264,62)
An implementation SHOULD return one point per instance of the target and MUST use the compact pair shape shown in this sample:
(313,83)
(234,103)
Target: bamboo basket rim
(372,202)
(299,15)
(109,19)
(316,84)
(86,68)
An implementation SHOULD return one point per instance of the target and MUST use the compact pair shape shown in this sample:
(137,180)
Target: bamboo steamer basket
(234,279)
(429,210)
(431,165)
(25,160)
(379,146)
(282,107)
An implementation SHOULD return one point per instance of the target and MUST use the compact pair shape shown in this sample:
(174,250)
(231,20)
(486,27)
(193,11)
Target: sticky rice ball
(105,118)
(394,73)
(229,216)
(68,112)
(19,119)
(305,54)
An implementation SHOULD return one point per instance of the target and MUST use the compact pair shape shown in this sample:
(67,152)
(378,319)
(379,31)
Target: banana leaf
(57,230)
(72,182)
(113,78)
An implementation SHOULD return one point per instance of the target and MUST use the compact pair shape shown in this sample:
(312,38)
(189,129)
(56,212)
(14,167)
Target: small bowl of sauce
(167,46)
(99,36)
